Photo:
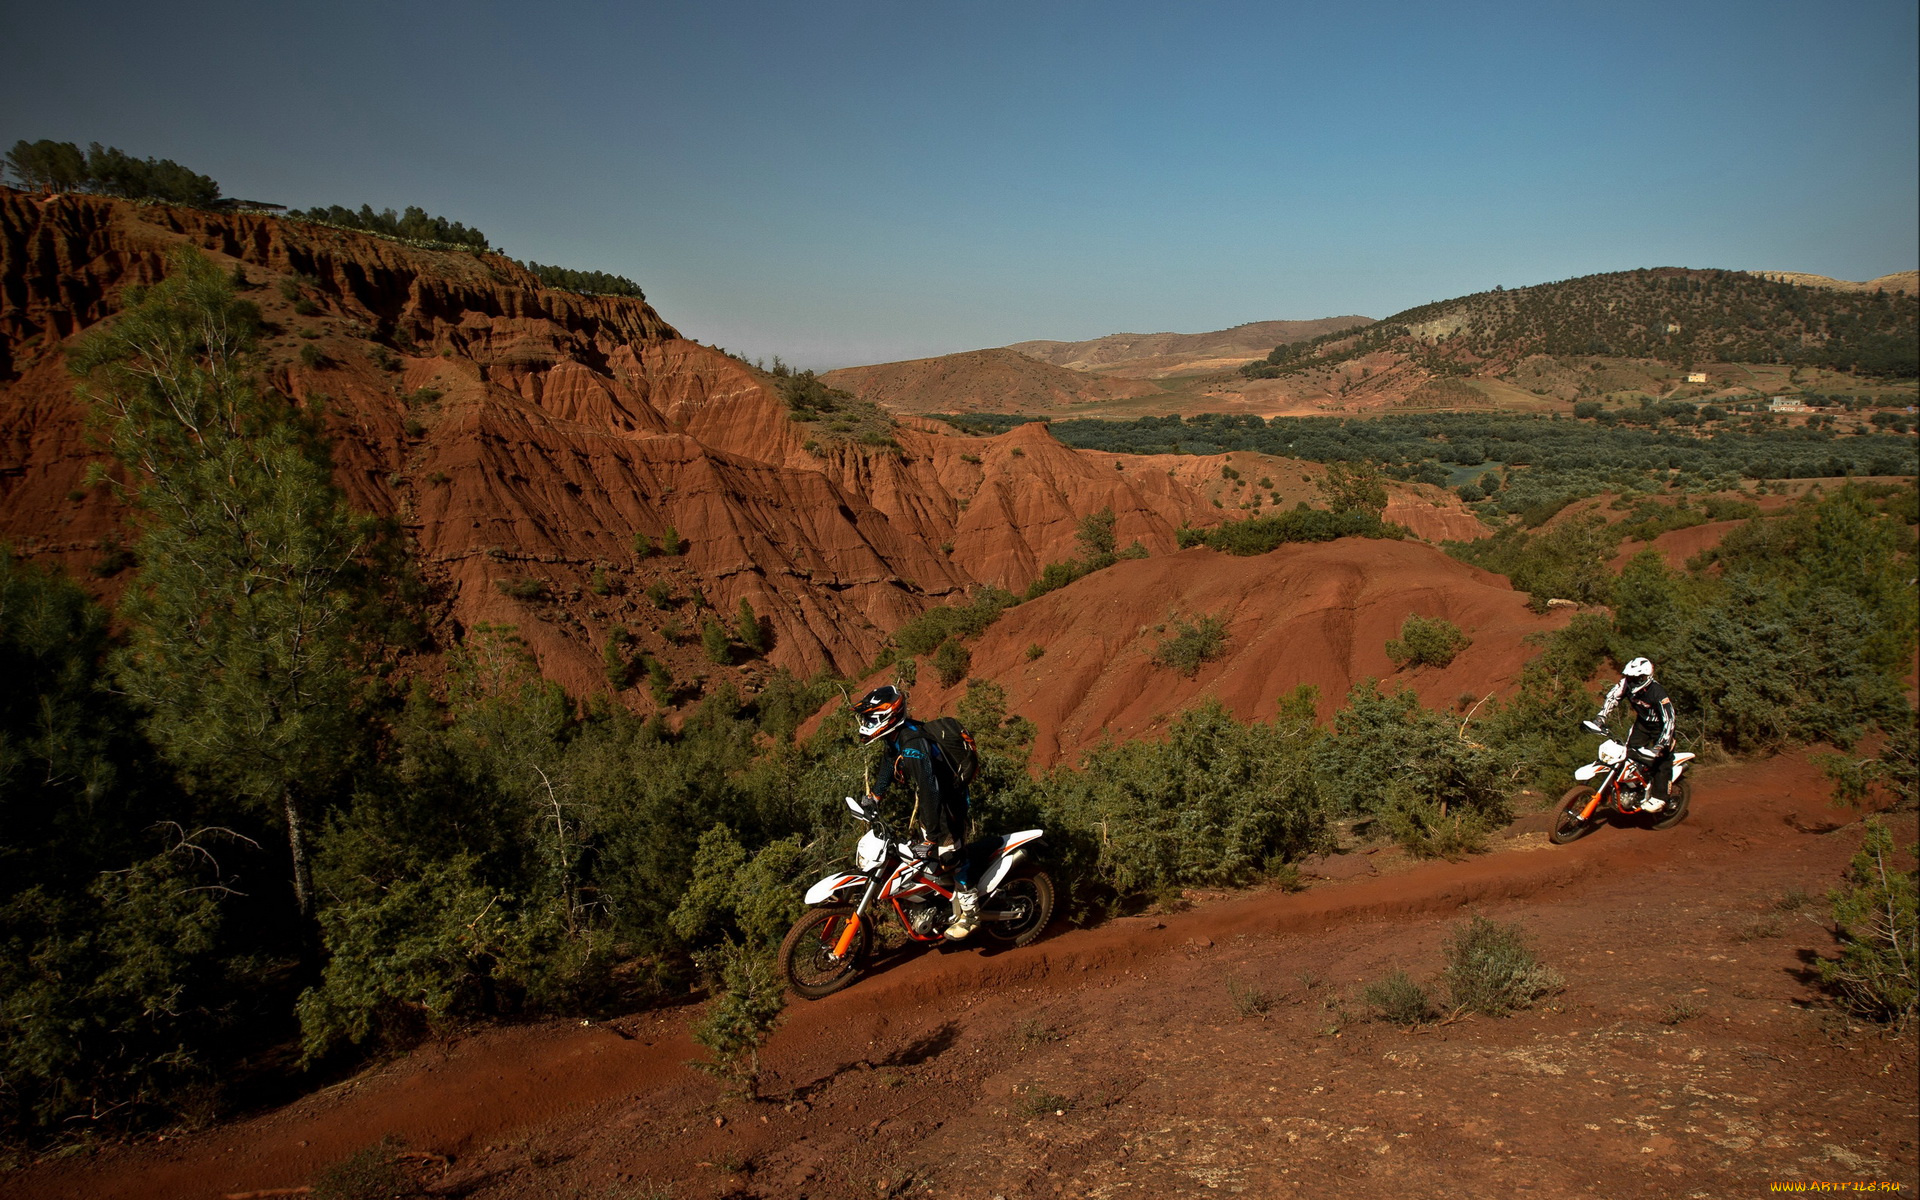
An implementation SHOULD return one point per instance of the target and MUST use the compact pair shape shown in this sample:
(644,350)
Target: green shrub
(312,358)
(747,628)
(1095,535)
(1392,749)
(1259,535)
(1491,969)
(613,658)
(522,588)
(924,633)
(660,682)
(1191,644)
(1427,643)
(1054,576)
(1878,969)
(1398,999)
(714,640)
(750,997)
(1217,803)
(1567,562)
(659,594)
(1034,651)
(1427,830)
(952,662)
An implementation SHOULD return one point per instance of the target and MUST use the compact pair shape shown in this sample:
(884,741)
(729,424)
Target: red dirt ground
(1687,1056)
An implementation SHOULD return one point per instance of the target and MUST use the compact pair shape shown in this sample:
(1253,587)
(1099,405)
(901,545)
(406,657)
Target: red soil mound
(994,381)
(1315,614)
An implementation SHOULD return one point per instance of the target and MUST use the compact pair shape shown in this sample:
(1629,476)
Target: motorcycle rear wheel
(1030,898)
(1679,795)
(1567,825)
(806,954)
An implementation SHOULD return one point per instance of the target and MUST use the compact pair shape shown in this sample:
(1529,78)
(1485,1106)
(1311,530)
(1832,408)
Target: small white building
(1697,377)
(1788,404)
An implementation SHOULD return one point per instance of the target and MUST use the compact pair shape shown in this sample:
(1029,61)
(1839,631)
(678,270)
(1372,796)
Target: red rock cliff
(523,435)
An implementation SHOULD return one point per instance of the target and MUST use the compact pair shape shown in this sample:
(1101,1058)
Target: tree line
(248,817)
(47,165)
(414,224)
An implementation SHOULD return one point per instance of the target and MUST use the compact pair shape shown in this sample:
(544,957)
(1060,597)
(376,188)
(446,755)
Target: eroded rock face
(523,437)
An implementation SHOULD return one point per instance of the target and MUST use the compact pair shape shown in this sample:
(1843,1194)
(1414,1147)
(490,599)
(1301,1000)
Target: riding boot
(966,913)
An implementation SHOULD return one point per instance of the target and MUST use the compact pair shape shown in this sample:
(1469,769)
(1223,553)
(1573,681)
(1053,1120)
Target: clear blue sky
(854,182)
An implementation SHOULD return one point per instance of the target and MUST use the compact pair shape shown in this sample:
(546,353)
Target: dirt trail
(1681,1060)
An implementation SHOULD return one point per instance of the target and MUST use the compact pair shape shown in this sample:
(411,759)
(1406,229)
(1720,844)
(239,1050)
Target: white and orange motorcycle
(831,945)
(1620,794)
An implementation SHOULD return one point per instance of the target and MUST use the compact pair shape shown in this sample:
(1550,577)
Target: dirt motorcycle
(1619,795)
(831,946)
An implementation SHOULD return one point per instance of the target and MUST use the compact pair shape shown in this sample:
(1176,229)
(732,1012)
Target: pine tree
(247,627)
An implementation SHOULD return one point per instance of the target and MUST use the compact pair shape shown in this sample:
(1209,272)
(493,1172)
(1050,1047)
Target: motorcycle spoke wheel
(1567,825)
(1028,899)
(806,954)
(1679,795)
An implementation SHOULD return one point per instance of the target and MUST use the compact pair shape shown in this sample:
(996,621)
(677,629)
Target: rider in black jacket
(1651,738)
(913,758)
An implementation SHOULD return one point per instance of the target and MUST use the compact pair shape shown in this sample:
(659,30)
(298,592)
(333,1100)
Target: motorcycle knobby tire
(1031,894)
(806,954)
(1567,825)
(1679,796)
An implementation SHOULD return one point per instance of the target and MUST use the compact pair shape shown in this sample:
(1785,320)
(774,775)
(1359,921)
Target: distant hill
(1155,355)
(1899,281)
(1668,315)
(991,381)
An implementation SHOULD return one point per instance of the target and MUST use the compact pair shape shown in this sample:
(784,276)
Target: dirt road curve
(1682,1059)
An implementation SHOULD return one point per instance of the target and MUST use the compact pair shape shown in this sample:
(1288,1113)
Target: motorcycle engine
(927,917)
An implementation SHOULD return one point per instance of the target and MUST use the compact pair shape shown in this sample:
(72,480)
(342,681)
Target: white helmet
(1638,673)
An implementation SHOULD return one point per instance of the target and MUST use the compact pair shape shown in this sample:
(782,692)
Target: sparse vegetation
(1399,999)
(1191,644)
(1493,971)
(1427,642)
(1249,1000)
(1877,975)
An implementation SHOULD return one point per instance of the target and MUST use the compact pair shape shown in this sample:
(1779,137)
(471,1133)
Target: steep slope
(1155,355)
(1305,614)
(1000,381)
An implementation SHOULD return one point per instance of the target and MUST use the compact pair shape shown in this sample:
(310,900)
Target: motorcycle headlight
(868,853)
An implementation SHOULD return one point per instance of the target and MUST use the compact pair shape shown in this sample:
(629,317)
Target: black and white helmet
(879,711)
(1637,674)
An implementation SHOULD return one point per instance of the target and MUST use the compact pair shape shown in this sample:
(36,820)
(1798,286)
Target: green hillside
(1667,314)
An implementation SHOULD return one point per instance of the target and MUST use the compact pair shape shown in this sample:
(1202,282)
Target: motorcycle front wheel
(806,954)
(1679,795)
(1567,825)
(1028,902)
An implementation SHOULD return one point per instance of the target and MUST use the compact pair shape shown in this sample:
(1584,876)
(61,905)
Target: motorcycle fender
(1587,772)
(997,873)
(831,884)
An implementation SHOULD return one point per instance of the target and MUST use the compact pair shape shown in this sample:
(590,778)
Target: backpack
(956,747)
